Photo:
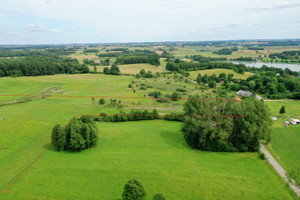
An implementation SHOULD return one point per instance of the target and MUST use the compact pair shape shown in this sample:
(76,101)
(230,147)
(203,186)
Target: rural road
(279,169)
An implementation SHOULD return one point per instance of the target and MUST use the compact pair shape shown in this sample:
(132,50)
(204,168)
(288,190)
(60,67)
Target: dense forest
(40,65)
(29,52)
(152,59)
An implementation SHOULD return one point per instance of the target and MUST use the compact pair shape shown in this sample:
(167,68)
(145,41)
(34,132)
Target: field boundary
(26,169)
(108,97)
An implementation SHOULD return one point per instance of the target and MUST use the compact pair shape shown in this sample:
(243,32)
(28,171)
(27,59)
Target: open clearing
(209,72)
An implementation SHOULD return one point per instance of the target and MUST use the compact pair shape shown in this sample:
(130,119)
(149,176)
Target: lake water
(293,67)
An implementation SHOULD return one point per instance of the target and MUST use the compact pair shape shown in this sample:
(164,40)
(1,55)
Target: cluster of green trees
(202,59)
(247,59)
(90,51)
(145,74)
(286,55)
(30,52)
(81,134)
(188,66)
(224,51)
(255,48)
(213,79)
(40,65)
(226,125)
(152,59)
(113,70)
(134,190)
(270,85)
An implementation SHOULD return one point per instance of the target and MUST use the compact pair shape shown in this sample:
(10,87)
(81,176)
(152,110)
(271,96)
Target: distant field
(136,68)
(209,72)
(155,153)
(285,144)
(192,50)
(132,68)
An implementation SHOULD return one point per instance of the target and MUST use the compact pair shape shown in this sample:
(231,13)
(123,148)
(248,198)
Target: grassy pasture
(155,153)
(285,144)
(209,72)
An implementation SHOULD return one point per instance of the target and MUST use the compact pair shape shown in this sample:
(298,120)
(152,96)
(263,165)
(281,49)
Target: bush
(79,135)
(212,84)
(159,197)
(101,101)
(262,156)
(133,190)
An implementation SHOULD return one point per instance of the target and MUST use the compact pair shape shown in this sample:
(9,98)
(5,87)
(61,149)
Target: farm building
(247,93)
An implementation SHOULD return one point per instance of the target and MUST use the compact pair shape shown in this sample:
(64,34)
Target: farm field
(166,164)
(209,72)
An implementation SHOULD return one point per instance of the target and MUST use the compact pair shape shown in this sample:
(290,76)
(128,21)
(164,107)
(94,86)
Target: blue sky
(97,21)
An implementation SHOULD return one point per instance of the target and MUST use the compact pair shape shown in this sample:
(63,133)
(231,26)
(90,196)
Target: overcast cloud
(96,21)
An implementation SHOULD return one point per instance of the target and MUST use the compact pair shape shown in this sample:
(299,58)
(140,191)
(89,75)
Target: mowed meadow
(153,152)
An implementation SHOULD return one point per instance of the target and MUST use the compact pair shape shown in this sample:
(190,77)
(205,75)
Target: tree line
(152,59)
(30,52)
(40,65)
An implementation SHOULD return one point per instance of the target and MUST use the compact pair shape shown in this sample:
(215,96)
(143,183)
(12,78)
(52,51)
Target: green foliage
(158,197)
(282,110)
(175,96)
(224,51)
(101,101)
(212,84)
(79,135)
(228,133)
(114,70)
(133,190)
(262,156)
(40,65)
(199,79)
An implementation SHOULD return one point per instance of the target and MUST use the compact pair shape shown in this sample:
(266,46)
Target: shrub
(133,190)
(262,156)
(101,101)
(159,197)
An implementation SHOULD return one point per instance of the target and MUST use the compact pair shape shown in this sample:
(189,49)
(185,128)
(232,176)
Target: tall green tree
(114,70)
(199,79)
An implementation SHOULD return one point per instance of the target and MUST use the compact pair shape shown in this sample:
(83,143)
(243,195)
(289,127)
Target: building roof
(244,93)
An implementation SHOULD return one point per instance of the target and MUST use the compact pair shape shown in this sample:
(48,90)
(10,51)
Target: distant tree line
(40,65)
(151,59)
(202,59)
(247,59)
(29,52)
(255,48)
(91,51)
(224,51)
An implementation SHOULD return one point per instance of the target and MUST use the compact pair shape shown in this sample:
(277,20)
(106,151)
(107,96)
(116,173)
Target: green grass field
(209,72)
(154,152)
(286,140)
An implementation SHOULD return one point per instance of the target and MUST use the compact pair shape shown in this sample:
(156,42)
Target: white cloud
(277,6)
(35,28)
(55,30)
